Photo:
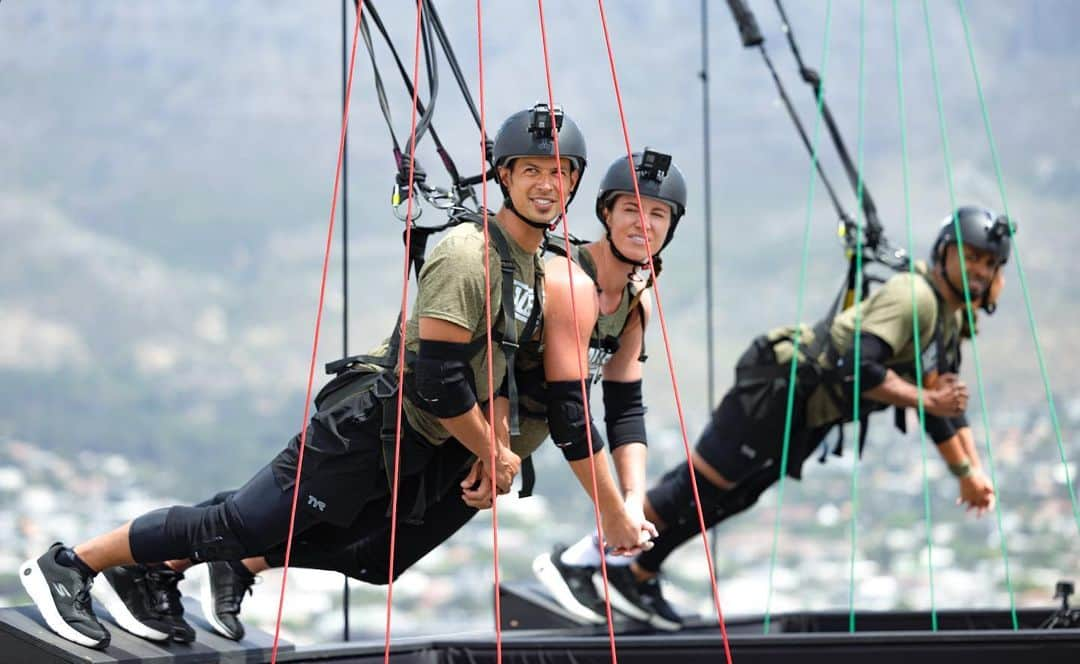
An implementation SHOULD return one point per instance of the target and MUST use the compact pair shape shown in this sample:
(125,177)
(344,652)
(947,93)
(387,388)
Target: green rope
(915,313)
(970,312)
(799,310)
(1020,268)
(857,387)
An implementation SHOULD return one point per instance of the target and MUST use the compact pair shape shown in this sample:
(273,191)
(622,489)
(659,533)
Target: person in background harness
(348,456)
(613,310)
(738,455)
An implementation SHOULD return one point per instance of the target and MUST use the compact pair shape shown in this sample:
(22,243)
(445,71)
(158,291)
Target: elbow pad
(624,413)
(566,419)
(872,356)
(445,386)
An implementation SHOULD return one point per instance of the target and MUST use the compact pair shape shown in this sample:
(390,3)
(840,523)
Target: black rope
(874,229)
(751,37)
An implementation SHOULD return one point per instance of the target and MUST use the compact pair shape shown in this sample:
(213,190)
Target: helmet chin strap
(618,254)
(539,225)
(959,292)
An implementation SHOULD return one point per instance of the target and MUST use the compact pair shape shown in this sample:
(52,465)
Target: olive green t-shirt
(608,326)
(451,288)
(887,314)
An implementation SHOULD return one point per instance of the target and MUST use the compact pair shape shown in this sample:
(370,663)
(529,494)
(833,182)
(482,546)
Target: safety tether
(857,420)
(1019,266)
(487,317)
(917,343)
(402,321)
(664,330)
(574,319)
(315,343)
(800,299)
(970,314)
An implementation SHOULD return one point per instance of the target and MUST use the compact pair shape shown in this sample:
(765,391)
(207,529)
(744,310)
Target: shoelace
(164,591)
(235,589)
(82,598)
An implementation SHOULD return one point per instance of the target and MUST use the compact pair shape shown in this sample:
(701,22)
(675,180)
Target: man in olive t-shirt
(738,455)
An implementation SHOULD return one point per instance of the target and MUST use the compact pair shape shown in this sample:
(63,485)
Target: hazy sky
(173,162)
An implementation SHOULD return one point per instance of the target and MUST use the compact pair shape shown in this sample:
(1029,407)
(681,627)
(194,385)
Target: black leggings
(362,549)
(673,499)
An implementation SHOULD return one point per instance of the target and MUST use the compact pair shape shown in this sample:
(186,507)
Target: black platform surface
(25,638)
(536,631)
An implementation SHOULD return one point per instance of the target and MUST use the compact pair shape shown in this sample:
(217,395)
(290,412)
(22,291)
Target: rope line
(403,323)
(344,260)
(487,326)
(915,314)
(970,313)
(800,299)
(663,328)
(577,336)
(856,396)
(315,345)
(1019,267)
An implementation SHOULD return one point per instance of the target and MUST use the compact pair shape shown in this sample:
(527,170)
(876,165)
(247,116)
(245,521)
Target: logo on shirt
(524,297)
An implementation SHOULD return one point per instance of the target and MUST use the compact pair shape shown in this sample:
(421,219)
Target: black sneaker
(123,592)
(623,590)
(221,597)
(161,583)
(664,616)
(570,585)
(62,594)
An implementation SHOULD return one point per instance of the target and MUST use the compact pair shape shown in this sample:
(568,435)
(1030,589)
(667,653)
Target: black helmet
(657,177)
(980,228)
(528,133)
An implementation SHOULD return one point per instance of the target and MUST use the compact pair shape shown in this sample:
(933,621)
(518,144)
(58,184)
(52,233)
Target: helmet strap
(957,292)
(539,225)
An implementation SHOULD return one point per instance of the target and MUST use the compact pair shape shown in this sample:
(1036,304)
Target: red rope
(663,329)
(315,342)
(404,323)
(487,326)
(577,339)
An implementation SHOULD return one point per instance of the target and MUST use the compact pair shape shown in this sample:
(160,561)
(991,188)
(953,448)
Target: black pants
(361,549)
(743,450)
(343,473)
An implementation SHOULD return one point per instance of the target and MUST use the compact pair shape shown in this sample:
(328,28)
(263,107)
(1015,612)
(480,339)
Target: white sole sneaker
(37,586)
(545,572)
(661,623)
(103,592)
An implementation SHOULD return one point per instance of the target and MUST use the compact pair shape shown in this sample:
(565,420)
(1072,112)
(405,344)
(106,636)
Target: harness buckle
(385,385)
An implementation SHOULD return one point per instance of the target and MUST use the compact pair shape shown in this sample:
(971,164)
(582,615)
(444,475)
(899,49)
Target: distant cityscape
(46,497)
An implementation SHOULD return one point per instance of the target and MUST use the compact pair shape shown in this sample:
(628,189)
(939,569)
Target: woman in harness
(613,309)
(738,455)
(445,430)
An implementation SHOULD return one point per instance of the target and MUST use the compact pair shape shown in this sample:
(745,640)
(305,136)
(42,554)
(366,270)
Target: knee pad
(673,497)
(199,533)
